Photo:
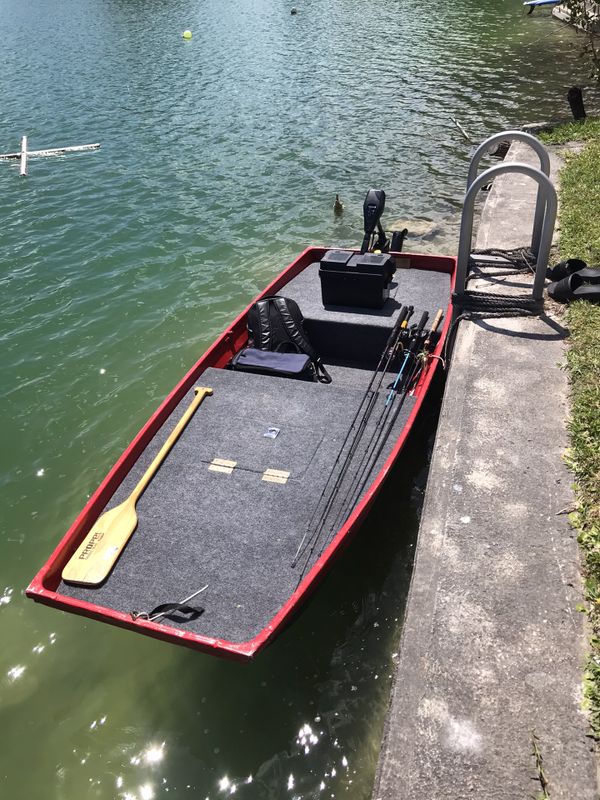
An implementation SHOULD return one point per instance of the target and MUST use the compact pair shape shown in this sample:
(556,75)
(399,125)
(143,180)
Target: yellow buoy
(187,34)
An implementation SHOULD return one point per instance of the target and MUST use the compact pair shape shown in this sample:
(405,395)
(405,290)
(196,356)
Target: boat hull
(235,635)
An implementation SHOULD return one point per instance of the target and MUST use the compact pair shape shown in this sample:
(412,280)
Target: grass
(539,769)
(588,130)
(579,195)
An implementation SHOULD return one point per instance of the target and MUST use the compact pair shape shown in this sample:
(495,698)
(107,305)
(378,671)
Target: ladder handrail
(538,147)
(546,194)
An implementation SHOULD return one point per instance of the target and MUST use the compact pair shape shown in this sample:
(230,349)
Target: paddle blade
(96,555)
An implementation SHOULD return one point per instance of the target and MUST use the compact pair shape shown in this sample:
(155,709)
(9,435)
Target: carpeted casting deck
(237,532)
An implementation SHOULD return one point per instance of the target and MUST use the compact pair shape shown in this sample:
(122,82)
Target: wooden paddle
(96,555)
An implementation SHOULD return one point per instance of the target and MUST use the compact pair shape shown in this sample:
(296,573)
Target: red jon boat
(233,500)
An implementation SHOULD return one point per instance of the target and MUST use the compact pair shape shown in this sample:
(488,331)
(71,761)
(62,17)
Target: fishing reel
(411,339)
(373,208)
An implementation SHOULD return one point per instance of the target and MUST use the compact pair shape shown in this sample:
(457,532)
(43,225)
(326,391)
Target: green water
(220,160)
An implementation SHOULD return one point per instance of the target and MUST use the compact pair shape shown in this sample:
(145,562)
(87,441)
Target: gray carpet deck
(331,327)
(236,532)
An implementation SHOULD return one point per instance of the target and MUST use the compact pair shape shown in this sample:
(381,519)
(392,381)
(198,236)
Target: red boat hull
(45,587)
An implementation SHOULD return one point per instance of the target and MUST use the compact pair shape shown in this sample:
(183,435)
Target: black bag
(267,362)
(276,324)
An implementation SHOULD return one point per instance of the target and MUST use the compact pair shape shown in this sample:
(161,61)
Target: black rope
(482,304)
(472,304)
(522,259)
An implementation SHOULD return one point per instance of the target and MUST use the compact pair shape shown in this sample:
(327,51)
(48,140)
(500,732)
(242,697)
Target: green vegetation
(584,15)
(580,237)
(543,794)
(573,132)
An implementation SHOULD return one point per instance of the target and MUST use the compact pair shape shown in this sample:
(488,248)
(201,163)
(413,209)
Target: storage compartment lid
(373,263)
(335,259)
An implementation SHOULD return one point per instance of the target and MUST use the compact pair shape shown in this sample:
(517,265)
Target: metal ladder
(545,210)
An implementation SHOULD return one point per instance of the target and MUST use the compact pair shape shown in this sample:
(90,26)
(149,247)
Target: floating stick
(53,151)
(97,554)
(461,129)
(23,167)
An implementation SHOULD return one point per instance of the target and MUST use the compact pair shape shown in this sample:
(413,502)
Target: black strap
(324,377)
(176,612)
(264,328)
(299,339)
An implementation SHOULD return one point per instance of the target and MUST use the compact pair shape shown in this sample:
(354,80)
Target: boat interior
(232,502)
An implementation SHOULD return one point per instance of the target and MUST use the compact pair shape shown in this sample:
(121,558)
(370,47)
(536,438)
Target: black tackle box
(355,279)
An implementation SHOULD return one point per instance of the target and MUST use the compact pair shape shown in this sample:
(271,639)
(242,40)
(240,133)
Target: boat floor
(234,531)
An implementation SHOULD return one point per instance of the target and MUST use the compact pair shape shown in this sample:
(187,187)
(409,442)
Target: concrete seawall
(492,646)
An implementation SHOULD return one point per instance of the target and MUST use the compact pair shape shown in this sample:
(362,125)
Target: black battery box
(355,279)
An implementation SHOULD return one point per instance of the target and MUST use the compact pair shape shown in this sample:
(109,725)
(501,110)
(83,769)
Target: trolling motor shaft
(373,208)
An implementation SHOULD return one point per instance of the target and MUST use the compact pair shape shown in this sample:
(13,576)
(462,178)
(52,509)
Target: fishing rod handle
(422,322)
(389,348)
(398,344)
(394,342)
(402,316)
(416,336)
(394,332)
(438,318)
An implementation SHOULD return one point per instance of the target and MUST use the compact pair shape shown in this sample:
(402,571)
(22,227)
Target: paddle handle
(95,557)
(201,392)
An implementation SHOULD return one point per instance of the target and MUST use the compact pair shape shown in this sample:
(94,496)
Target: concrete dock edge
(492,648)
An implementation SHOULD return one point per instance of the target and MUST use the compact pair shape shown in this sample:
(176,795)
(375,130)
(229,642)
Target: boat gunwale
(43,587)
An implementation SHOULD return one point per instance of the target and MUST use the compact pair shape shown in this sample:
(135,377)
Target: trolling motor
(373,208)
(362,280)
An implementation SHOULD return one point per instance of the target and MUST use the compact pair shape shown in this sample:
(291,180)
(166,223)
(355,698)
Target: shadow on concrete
(560,332)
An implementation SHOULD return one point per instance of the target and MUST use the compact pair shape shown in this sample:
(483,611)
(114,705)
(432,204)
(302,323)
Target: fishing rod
(409,352)
(403,380)
(387,356)
(425,353)
(370,394)
(432,331)
(420,361)
(393,353)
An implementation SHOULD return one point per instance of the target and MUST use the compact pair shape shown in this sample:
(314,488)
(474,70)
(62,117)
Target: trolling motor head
(372,210)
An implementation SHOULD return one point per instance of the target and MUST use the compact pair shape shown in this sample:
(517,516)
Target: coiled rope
(473,304)
(521,259)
